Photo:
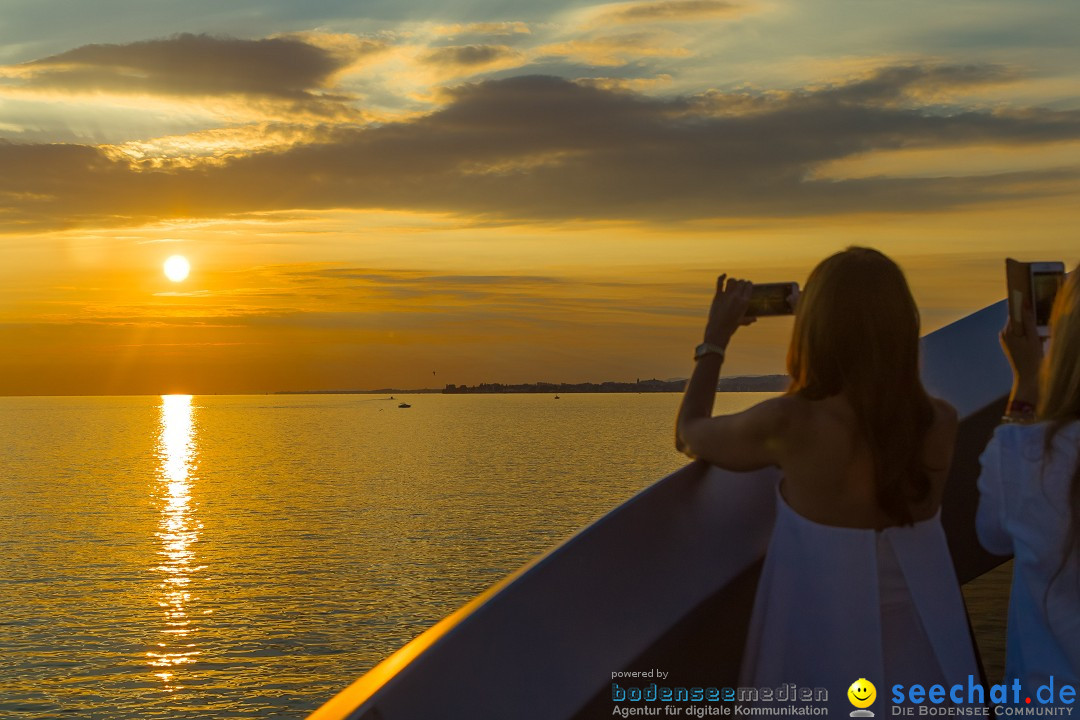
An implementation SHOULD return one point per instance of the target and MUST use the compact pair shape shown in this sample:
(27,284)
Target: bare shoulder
(784,422)
(784,411)
(789,417)
(774,417)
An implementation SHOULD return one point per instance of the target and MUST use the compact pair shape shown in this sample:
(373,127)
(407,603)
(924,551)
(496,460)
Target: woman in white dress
(858,581)
(1029,505)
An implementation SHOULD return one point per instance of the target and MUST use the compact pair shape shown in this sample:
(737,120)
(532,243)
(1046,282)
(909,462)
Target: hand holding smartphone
(1035,284)
(772,299)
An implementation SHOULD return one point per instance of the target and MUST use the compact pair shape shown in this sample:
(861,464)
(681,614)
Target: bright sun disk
(177,268)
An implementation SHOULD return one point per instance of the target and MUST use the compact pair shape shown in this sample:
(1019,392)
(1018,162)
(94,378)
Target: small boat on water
(665,580)
(557,397)
(404,405)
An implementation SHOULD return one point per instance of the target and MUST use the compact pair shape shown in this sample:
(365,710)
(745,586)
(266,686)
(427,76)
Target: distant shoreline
(748,383)
(745,383)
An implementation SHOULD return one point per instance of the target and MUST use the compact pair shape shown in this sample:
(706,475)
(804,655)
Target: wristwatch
(708,349)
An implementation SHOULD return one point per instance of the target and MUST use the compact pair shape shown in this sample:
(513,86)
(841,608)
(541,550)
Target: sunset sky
(512,191)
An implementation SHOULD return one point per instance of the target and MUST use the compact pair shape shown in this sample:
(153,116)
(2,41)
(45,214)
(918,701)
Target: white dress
(836,604)
(1024,512)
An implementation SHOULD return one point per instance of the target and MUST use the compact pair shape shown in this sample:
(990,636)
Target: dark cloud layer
(545,148)
(285,67)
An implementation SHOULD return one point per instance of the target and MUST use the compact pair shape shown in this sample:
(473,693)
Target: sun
(177,268)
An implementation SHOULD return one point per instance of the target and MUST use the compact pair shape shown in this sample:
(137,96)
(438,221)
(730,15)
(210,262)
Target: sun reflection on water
(178,531)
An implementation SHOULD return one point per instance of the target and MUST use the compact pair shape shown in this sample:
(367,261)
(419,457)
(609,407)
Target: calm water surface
(247,557)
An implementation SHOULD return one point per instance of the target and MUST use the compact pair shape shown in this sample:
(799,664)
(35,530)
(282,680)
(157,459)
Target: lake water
(249,556)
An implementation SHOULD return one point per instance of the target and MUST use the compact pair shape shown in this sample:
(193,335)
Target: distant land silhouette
(746,383)
(752,383)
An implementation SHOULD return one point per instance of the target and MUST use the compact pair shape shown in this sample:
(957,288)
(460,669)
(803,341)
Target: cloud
(473,56)
(917,82)
(614,50)
(198,147)
(484,28)
(916,87)
(367,291)
(665,10)
(631,84)
(544,148)
(413,277)
(294,67)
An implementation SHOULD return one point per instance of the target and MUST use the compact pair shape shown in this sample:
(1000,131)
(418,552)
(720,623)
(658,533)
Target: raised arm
(747,440)
(1024,350)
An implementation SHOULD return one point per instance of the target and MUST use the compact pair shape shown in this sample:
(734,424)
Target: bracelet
(1019,411)
(1020,407)
(1018,419)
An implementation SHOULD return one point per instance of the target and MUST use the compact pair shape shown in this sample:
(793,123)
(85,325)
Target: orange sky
(544,193)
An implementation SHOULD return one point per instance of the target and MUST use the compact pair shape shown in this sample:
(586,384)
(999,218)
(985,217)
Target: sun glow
(177,268)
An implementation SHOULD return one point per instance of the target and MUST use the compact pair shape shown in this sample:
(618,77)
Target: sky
(409,194)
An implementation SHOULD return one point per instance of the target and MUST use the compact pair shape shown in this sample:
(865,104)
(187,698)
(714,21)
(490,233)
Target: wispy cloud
(514,27)
(474,56)
(918,82)
(607,50)
(201,147)
(665,10)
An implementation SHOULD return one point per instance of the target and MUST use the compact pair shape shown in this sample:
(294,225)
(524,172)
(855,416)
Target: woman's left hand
(1023,349)
(728,311)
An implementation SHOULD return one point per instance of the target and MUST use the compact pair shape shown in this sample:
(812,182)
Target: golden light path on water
(178,530)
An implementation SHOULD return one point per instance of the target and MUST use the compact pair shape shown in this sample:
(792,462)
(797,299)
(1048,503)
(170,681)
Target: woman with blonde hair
(858,581)
(1029,504)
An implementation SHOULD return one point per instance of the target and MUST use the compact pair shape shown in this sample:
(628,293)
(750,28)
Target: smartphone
(773,299)
(1046,280)
(1036,283)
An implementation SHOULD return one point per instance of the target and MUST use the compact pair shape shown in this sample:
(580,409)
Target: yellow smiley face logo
(862,693)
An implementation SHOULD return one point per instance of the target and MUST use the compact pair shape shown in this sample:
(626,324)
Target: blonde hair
(1059,397)
(857,331)
(1059,380)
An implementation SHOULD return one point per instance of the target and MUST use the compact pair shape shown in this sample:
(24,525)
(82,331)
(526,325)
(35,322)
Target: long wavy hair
(1059,382)
(857,332)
